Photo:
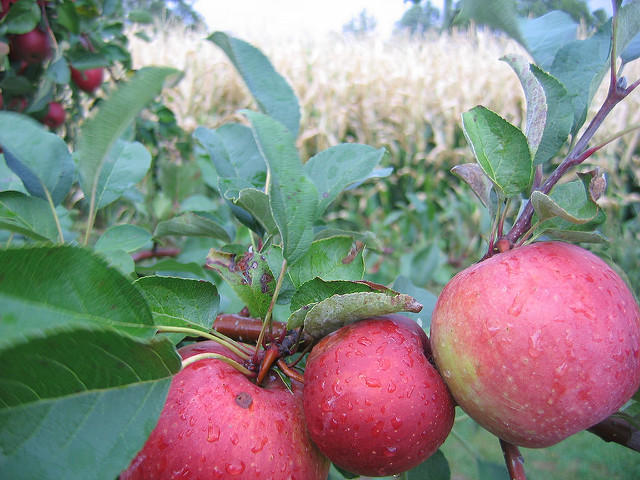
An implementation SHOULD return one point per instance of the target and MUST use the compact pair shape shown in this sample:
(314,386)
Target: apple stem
(216,337)
(289,371)
(271,356)
(514,460)
(217,356)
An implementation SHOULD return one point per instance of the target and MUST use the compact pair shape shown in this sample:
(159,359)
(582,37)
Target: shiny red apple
(372,401)
(539,342)
(87,80)
(217,424)
(31,47)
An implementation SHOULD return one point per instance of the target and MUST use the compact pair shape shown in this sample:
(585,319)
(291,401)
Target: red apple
(87,80)
(31,47)
(55,115)
(372,401)
(539,342)
(217,424)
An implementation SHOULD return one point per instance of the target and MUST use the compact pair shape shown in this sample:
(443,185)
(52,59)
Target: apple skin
(217,424)
(87,80)
(538,343)
(372,401)
(31,47)
(55,115)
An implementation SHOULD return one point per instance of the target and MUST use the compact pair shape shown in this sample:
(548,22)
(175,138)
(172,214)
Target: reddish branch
(155,253)
(514,461)
(244,329)
(618,430)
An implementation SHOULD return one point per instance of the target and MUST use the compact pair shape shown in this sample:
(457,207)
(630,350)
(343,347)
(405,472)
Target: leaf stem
(203,356)
(268,317)
(513,460)
(54,213)
(216,337)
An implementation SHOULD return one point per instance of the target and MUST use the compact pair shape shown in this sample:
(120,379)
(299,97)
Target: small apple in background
(32,47)
(216,423)
(87,80)
(372,401)
(17,104)
(55,115)
(539,342)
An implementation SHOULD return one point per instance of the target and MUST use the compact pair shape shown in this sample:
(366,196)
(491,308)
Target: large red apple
(217,424)
(87,80)
(372,401)
(30,47)
(539,342)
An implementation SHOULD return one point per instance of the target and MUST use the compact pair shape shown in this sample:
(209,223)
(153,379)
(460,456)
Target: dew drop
(377,428)
(391,387)
(396,422)
(389,451)
(260,446)
(234,438)
(372,382)
(234,468)
(364,341)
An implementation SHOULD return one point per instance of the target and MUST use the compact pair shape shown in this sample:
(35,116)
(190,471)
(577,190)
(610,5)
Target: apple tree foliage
(85,288)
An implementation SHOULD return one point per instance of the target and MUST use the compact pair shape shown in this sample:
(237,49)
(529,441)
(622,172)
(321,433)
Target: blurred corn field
(406,94)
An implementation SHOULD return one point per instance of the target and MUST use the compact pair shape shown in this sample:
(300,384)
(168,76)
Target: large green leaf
(333,258)
(500,14)
(180,302)
(40,158)
(559,117)
(271,91)
(249,275)
(28,216)
(22,17)
(545,35)
(126,164)
(123,237)
(78,401)
(292,195)
(500,148)
(192,224)
(340,166)
(99,134)
(46,287)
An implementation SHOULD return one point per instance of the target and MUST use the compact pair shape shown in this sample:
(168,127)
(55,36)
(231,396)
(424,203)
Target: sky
(295,17)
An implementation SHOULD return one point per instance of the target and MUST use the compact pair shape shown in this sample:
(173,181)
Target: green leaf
(436,467)
(98,135)
(22,17)
(559,117)
(535,97)
(334,258)
(169,266)
(79,400)
(28,216)
(48,287)
(123,237)
(192,224)
(271,91)
(256,203)
(501,149)
(180,302)
(628,25)
(249,275)
(568,201)
(140,16)
(328,311)
(580,67)
(40,158)
(292,195)
(125,165)
(58,71)
(545,35)
(120,260)
(424,297)
(336,168)
(8,179)
(234,153)
(500,14)
(473,175)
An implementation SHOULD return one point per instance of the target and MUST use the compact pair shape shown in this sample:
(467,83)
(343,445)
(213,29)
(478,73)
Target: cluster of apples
(34,48)
(535,344)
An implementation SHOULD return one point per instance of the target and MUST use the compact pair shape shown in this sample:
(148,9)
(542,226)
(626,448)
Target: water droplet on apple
(372,382)
(389,451)
(396,422)
(234,438)
(364,341)
(377,428)
(235,468)
(257,448)
(391,387)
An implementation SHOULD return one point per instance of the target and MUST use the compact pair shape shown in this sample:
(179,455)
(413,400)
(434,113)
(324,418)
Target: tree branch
(618,430)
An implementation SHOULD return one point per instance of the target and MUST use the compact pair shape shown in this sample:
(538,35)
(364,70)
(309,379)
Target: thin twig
(514,460)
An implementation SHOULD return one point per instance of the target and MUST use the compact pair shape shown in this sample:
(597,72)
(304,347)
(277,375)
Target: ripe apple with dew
(539,342)
(31,47)
(87,80)
(217,424)
(372,401)
(55,115)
